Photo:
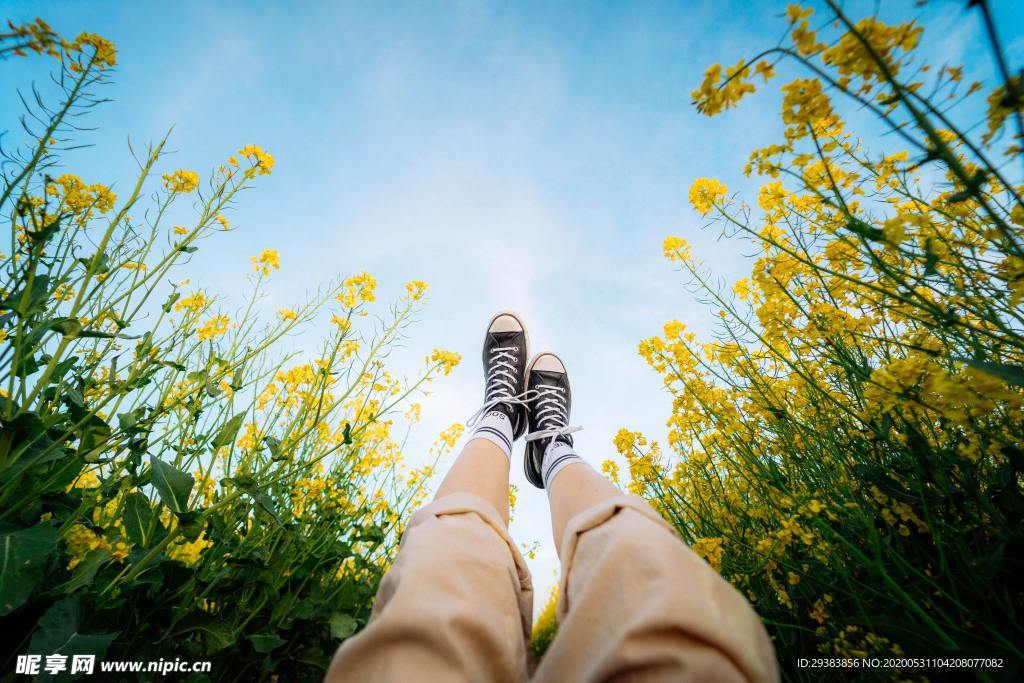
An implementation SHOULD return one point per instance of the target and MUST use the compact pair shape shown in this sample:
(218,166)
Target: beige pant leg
(455,606)
(638,605)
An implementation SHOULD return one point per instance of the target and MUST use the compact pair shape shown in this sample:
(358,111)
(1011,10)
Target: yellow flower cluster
(214,327)
(706,194)
(181,181)
(546,625)
(718,92)
(267,261)
(447,438)
(192,303)
(677,249)
(360,288)
(80,198)
(81,540)
(105,52)
(861,404)
(859,53)
(415,290)
(189,552)
(36,36)
(446,359)
(710,549)
(262,161)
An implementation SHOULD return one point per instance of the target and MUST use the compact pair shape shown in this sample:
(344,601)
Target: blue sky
(529,156)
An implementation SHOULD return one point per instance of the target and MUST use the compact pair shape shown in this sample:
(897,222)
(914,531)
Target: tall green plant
(848,450)
(171,484)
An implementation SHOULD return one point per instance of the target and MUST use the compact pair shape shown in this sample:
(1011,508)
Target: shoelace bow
(552,414)
(501,383)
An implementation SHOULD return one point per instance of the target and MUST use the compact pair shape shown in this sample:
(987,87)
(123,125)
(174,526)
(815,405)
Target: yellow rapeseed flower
(181,181)
(705,193)
(192,303)
(105,51)
(447,359)
(676,249)
(262,161)
(267,260)
(215,326)
(415,290)
(358,289)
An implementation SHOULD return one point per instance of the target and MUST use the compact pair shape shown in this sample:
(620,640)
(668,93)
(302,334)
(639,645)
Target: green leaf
(342,625)
(274,445)
(248,484)
(58,475)
(191,525)
(138,519)
(371,533)
(215,633)
(44,235)
(266,503)
(57,632)
(69,327)
(304,610)
(226,434)
(22,557)
(1011,374)
(264,643)
(173,485)
(26,365)
(26,302)
(98,263)
(33,445)
(93,436)
(85,571)
(244,482)
(128,421)
(169,304)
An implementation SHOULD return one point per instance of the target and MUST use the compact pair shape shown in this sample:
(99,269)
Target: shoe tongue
(550,377)
(505,338)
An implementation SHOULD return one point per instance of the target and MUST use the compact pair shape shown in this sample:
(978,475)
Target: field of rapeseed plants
(172,482)
(848,450)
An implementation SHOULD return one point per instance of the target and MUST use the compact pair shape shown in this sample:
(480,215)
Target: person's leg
(456,604)
(636,603)
(576,488)
(482,470)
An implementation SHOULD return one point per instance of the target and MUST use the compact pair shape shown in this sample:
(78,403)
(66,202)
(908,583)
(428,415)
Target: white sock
(496,428)
(558,455)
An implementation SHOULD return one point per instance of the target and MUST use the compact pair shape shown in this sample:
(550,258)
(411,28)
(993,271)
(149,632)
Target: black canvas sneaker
(504,355)
(550,399)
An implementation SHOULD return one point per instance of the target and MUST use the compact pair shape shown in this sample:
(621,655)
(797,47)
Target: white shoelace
(551,414)
(501,381)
